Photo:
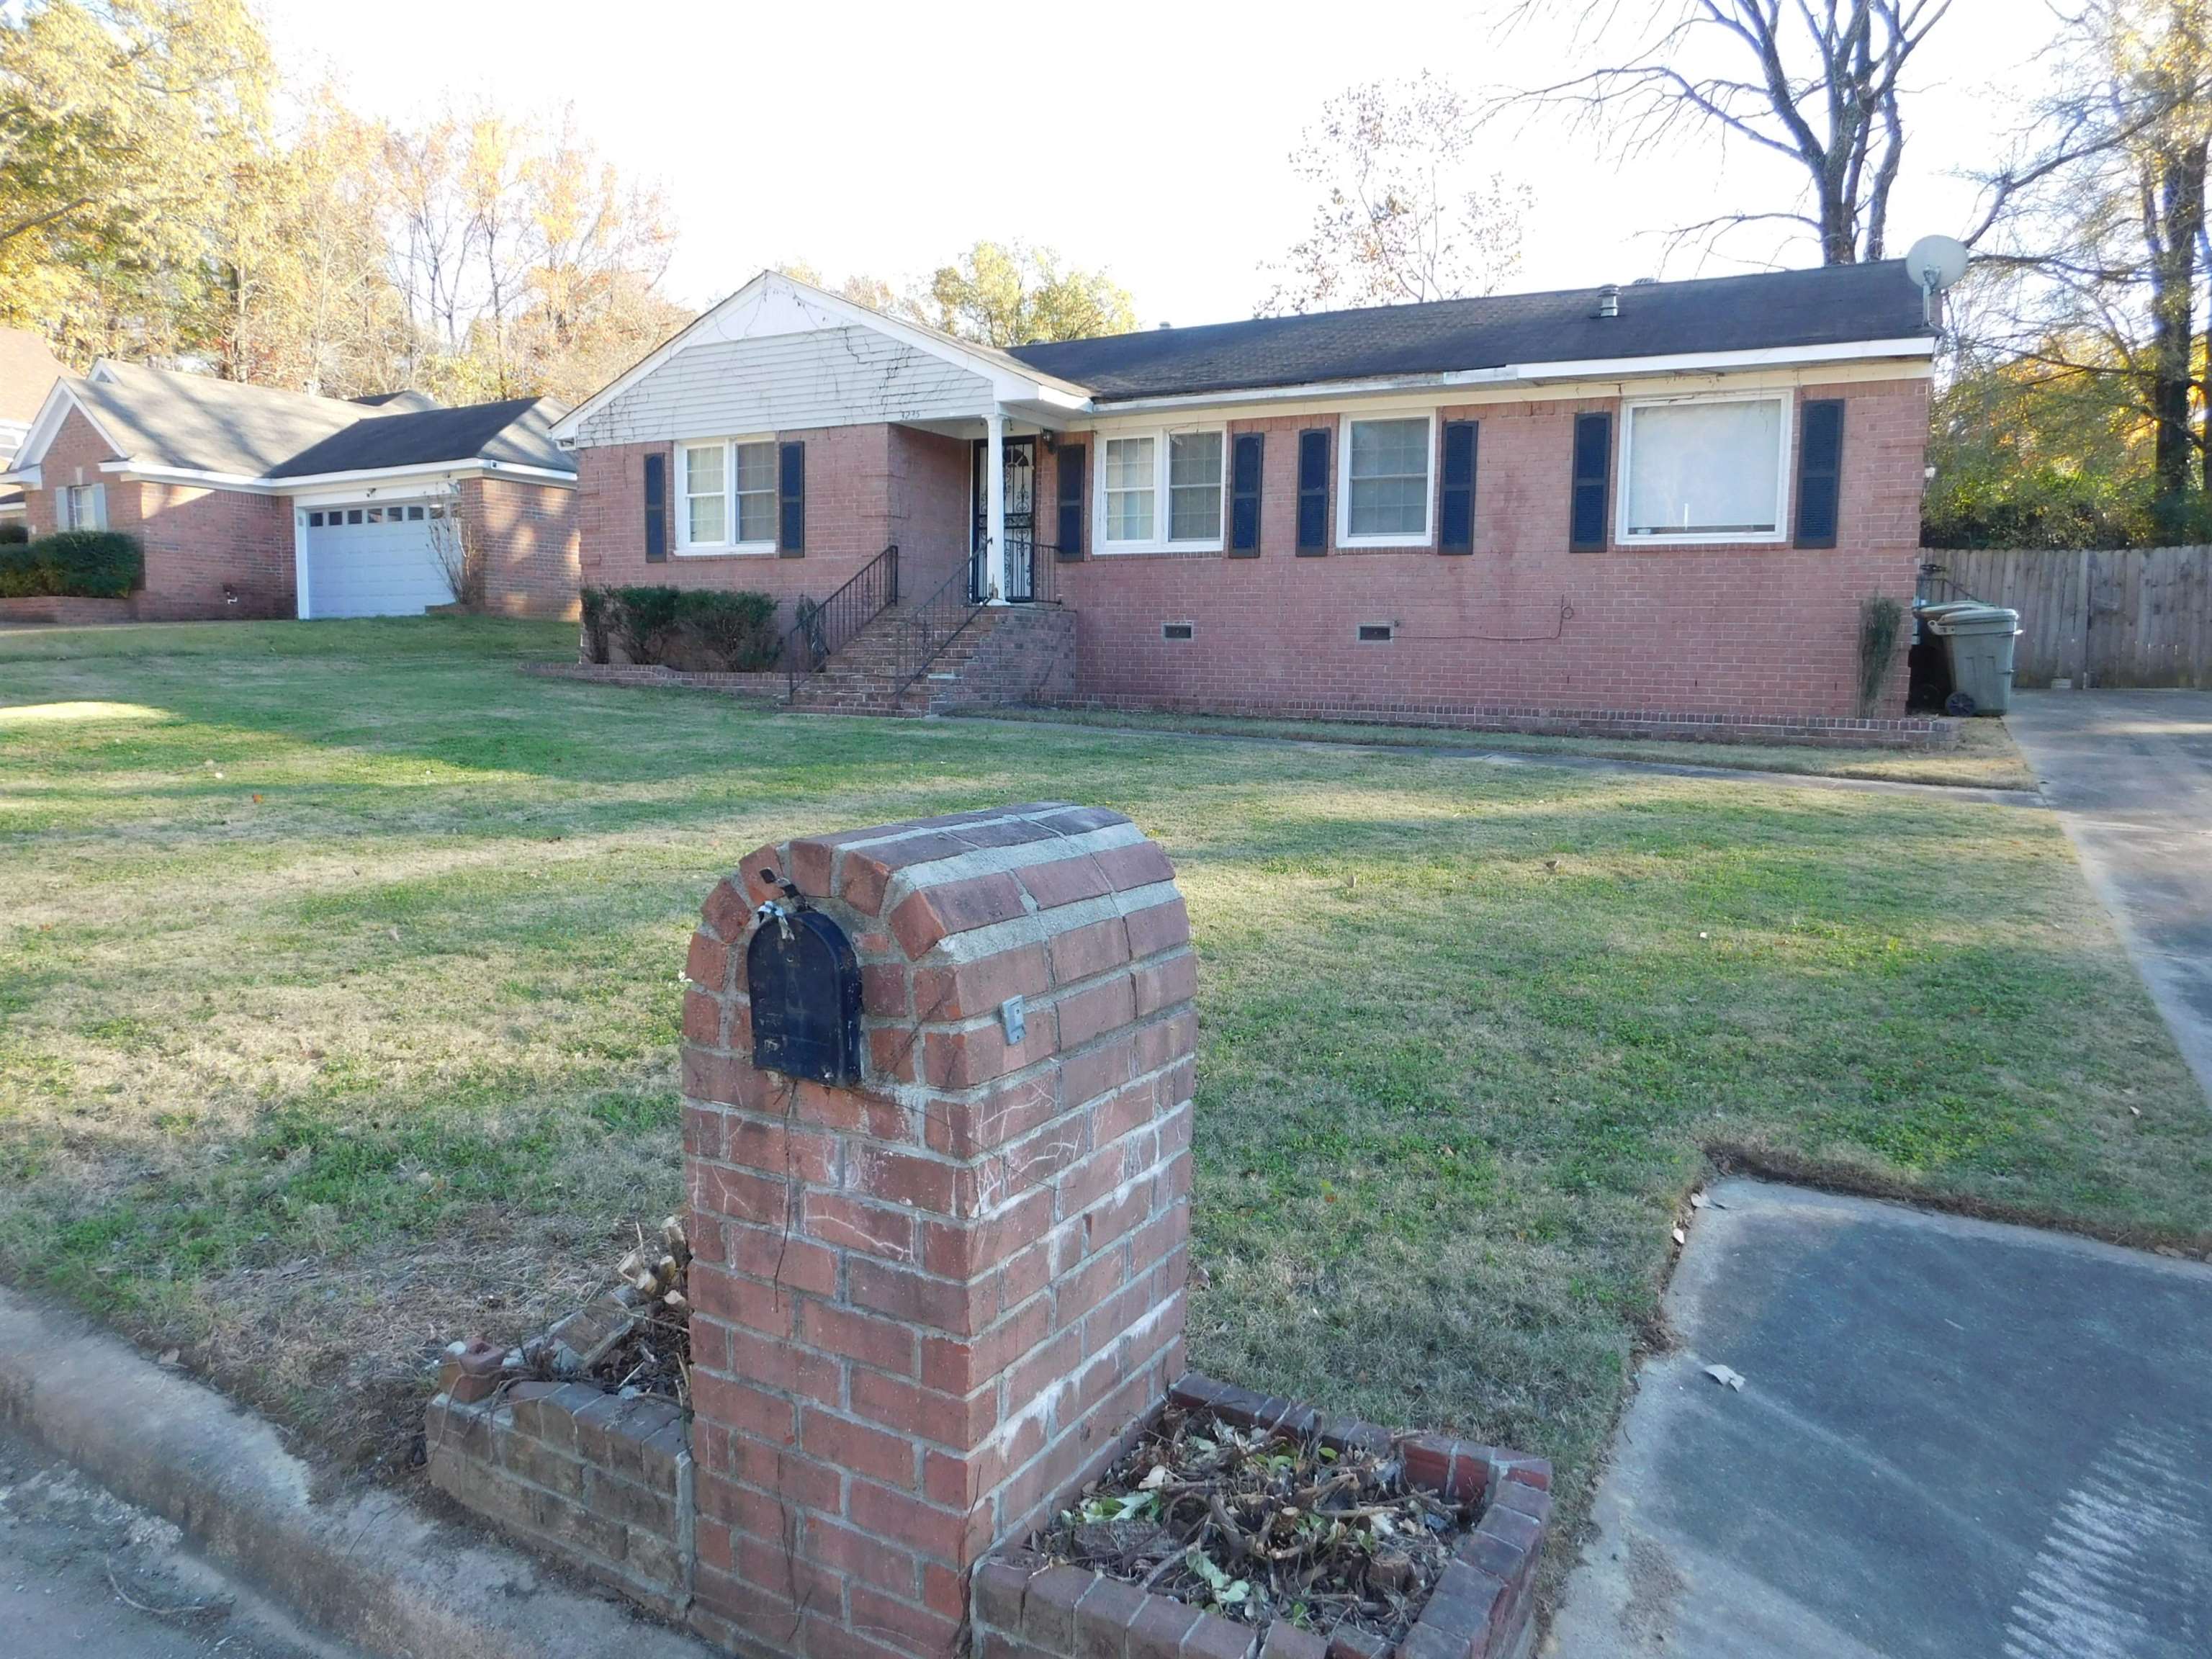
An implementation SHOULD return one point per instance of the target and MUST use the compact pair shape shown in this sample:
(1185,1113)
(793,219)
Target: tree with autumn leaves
(154,205)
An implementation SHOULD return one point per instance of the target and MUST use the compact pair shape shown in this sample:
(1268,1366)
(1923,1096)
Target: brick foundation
(1482,1607)
(926,1305)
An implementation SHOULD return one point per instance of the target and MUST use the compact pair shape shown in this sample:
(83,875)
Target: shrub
(13,533)
(1880,620)
(599,609)
(646,617)
(84,564)
(737,630)
(684,627)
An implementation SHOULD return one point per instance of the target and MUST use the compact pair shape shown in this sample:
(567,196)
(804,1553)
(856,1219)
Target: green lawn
(339,992)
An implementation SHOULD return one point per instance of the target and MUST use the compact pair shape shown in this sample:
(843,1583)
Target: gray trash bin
(1978,640)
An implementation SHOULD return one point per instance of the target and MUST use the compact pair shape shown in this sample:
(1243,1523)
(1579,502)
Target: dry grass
(339,997)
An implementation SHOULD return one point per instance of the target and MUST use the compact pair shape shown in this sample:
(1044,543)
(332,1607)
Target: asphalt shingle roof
(515,432)
(1829,306)
(158,417)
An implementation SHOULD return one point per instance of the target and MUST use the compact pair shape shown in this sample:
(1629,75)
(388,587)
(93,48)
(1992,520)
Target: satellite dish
(1937,262)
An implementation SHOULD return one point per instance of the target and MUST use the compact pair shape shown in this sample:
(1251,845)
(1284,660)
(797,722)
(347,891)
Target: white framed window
(726,496)
(1162,491)
(1387,471)
(84,507)
(1704,469)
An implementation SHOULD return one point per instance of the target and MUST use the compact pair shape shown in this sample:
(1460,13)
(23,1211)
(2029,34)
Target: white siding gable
(779,363)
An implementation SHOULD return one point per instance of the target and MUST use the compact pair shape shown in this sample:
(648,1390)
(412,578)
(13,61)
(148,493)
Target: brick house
(28,372)
(253,502)
(1653,507)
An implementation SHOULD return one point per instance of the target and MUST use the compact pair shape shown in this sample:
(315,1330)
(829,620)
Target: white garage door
(375,561)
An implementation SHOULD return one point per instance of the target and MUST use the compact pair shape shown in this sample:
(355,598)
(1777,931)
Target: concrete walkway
(1954,1440)
(2130,773)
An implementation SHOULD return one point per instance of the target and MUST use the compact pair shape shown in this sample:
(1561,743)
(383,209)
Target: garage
(381,559)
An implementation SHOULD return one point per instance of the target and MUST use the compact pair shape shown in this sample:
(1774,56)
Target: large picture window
(1388,465)
(1161,491)
(1704,470)
(727,490)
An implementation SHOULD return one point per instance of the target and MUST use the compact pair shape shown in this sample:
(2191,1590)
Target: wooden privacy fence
(2139,617)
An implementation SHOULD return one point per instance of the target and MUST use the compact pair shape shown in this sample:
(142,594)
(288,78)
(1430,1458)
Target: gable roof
(158,420)
(28,372)
(196,423)
(1832,305)
(515,433)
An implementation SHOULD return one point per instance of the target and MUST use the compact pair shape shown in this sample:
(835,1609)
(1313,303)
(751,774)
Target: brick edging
(1907,733)
(1481,1605)
(771,684)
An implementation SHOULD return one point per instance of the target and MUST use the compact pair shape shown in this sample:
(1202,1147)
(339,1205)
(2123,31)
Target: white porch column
(994,504)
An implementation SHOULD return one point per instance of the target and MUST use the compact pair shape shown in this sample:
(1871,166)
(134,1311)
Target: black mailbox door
(805,988)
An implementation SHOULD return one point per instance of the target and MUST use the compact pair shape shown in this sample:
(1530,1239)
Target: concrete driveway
(1954,1440)
(2130,773)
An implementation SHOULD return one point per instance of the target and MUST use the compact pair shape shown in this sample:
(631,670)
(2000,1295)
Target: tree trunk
(2173,293)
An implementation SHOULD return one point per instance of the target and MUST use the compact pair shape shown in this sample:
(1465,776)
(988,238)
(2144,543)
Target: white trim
(432,473)
(1786,423)
(60,399)
(680,499)
(1533,375)
(300,607)
(1344,537)
(1010,383)
(29,477)
(1163,501)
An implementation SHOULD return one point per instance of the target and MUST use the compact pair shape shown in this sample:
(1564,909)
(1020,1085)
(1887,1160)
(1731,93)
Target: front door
(1021,525)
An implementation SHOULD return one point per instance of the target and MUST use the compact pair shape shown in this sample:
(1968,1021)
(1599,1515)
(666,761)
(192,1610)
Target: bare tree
(2093,245)
(456,542)
(1399,221)
(1819,82)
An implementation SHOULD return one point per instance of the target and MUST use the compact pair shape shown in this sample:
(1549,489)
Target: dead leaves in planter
(1257,1525)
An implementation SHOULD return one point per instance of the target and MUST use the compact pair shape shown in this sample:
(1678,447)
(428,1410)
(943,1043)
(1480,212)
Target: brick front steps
(1481,1608)
(1005,655)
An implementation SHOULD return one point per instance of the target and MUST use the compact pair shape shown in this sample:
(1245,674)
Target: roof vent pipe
(1609,299)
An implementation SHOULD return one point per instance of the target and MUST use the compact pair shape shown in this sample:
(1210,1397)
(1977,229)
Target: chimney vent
(1609,299)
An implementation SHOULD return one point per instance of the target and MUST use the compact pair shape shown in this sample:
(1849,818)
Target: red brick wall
(925,1306)
(1729,631)
(932,507)
(209,552)
(866,486)
(528,532)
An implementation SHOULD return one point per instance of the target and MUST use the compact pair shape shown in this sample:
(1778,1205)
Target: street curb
(361,1565)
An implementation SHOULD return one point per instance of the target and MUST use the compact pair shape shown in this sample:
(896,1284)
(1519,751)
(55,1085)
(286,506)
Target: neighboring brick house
(1649,508)
(28,372)
(252,501)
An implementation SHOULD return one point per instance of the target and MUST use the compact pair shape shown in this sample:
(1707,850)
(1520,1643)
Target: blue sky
(1151,139)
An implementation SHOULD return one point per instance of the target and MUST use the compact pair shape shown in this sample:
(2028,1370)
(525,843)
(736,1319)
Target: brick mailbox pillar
(926,1303)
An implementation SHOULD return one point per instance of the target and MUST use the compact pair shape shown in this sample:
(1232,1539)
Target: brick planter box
(67,612)
(1481,1606)
(573,1469)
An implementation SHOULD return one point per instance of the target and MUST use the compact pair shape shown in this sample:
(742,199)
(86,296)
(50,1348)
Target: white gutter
(1591,368)
(265,486)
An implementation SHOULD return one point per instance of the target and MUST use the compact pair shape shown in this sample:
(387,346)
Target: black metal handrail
(825,628)
(934,625)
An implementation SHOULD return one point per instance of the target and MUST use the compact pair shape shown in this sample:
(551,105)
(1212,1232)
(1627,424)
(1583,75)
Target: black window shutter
(1074,505)
(656,509)
(1456,512)
(1313,492)
(1820,471)
(1593,467)
(791,501)
(1247,466)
